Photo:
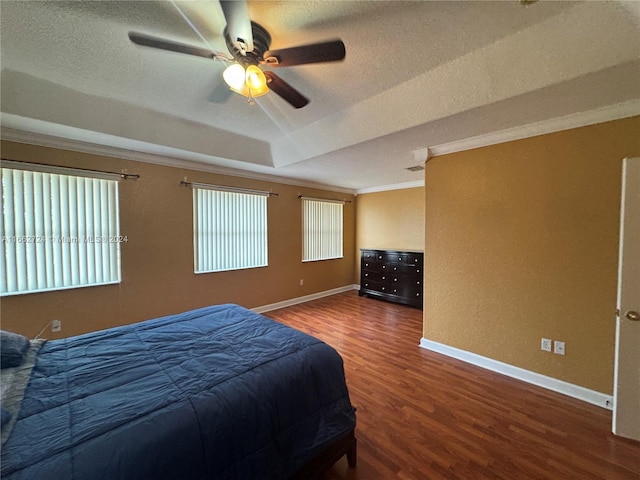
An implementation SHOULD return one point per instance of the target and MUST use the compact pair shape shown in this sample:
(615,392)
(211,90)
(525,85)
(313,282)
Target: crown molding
(577,120)
(44,140)
(395,186)
(194,161)
(73,145)
(618,111)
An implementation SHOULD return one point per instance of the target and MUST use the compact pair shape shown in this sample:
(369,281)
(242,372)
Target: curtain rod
(323,199)
(38,167)
(225,188)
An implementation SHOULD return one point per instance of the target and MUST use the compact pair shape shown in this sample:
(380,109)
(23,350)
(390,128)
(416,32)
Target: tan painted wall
(392,219)
(522,243)
(157,260)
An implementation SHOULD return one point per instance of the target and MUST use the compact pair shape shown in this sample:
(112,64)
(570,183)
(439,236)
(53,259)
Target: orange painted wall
(157,260)
(521,242)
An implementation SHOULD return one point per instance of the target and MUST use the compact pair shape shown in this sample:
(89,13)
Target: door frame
(626,388)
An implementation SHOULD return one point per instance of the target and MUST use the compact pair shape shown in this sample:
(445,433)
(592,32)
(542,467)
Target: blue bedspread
(219,392)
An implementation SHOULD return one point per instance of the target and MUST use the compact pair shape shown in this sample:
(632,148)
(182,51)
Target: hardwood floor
(422,415)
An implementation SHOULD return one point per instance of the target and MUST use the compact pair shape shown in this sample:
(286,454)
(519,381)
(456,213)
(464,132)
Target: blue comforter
(219,392)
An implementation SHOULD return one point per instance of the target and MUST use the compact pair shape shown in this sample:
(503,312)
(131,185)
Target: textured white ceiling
(417,74)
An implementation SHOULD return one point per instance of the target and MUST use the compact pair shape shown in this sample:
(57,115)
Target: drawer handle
(384,277)
(384,288)
(417,294)
(366,274)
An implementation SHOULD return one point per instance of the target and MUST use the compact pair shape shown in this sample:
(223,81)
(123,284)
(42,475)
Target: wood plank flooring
(422,415)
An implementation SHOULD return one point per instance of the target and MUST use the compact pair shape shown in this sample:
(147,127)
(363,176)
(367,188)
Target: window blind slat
(9,273)
(47,213)
(19,217)
(65,231)
(114,226)
(103,225)
(77,230)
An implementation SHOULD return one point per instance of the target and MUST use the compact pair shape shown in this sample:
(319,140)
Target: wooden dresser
(392,275)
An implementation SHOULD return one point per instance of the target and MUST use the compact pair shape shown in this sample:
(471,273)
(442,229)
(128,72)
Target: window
(321,229)
(229,229)
(58,230)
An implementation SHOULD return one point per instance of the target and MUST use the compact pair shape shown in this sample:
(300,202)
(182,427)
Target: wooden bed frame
(315,468)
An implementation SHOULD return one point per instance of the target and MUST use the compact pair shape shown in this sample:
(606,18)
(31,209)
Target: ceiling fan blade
(238,24)
(286,91)
(332,51)
(155,42)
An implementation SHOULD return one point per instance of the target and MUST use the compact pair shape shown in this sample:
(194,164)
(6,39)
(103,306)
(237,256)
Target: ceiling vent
(417,168)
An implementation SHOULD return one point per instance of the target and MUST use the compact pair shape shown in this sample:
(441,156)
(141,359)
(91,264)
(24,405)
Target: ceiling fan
(248,44)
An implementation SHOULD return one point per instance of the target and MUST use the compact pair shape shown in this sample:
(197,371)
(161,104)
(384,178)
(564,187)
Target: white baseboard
(306,298)
(590,396)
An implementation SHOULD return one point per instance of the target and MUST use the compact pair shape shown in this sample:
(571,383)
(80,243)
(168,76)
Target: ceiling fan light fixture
(235,76)
(256,81)
(250,82)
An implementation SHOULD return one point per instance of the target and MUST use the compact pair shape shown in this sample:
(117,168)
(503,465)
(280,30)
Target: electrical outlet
(301,281)
(545,344)
(558,347)
(56,325)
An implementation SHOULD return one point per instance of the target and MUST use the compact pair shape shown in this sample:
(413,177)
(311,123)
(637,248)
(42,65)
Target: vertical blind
(229,230)
(321,229)
(58,231)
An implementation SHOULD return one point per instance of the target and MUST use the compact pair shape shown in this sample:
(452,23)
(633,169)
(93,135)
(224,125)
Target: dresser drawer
(374,286)
(399,258)
(369,255)
(402,269)
(375,276)
(410,291)
(372,266)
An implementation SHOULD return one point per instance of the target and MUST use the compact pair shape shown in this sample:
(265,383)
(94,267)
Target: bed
(215,393)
